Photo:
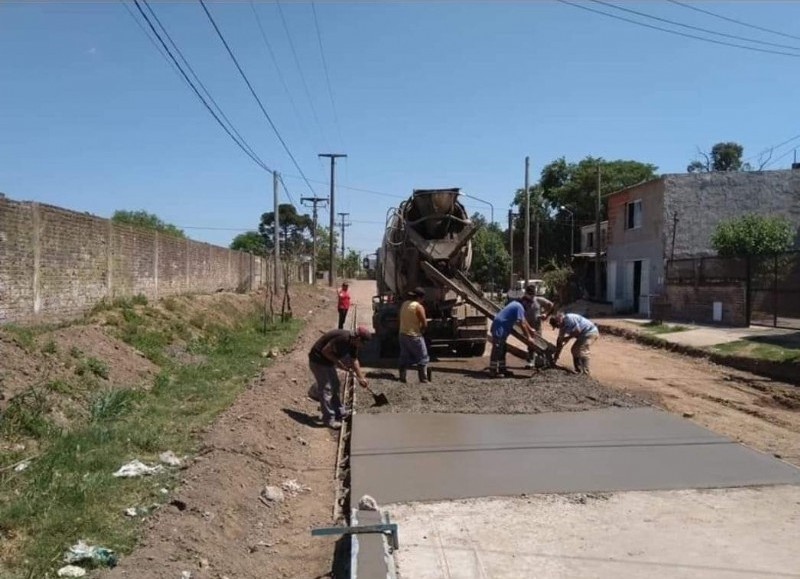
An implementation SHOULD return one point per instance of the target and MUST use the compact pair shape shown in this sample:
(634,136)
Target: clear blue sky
(427,94)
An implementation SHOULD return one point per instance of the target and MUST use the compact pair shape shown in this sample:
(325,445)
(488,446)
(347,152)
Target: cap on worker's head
(364,333)
(417,292)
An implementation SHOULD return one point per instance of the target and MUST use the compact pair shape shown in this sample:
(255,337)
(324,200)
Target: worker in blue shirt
(502,324)
(585,334)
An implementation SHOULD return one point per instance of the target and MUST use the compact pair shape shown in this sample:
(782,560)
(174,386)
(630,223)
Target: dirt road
(271,435)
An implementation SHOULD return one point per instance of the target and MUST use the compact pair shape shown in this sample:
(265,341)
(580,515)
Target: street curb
(782,371)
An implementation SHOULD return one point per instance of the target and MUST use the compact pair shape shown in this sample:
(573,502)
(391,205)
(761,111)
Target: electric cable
(696,28)
(255,96)
(327,76)
(255,159)
(676,32)
(715,15)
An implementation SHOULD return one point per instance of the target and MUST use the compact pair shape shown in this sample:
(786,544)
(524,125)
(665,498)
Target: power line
(773,147)
(327,76)
(151,39)
(370,191)
(255,96)
(684,34)
(696,28)
(302,76)
(720,16)
(255,159)
(280,72)
(197,79)
(771,163)
(286,189)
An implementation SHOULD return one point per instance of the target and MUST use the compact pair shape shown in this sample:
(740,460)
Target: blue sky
(426,94)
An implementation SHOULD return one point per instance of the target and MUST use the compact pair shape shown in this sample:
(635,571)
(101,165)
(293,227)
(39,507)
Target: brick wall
(694,303)
(57,264)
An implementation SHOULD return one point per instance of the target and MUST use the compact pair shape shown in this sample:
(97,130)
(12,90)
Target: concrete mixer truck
(427,244)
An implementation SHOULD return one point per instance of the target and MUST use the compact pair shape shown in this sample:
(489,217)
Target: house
(583,262)
(674,216)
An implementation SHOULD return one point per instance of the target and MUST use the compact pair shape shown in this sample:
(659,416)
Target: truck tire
(478,349)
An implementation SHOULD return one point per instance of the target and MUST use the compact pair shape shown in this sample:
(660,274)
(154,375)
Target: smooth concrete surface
(705,336)
(715,534)
(370,558)
(424,457)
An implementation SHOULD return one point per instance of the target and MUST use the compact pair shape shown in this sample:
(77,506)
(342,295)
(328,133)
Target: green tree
(251,242)
(295,230)
(147,220)
(723,157)
(352,264)
(491,263)
(752,234)
(323,248)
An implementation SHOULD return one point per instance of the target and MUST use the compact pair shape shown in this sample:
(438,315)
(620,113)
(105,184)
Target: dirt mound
(473,392)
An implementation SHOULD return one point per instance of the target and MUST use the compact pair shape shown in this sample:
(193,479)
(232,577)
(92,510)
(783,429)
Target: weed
(26,415)
(59,386)
(170,304)
(139,300)
(94,367)
(112,403)
(50,347)
(753,349)
(75,352)
(662,328)
(23,336)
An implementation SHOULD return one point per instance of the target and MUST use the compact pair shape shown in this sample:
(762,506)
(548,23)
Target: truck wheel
(478,349)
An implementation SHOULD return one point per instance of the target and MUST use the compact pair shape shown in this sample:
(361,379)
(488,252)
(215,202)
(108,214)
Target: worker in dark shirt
(335,349)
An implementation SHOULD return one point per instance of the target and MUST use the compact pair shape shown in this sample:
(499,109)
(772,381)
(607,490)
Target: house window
(590,240)
(633,215)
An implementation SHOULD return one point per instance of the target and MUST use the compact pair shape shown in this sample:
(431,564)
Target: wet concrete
(419,457)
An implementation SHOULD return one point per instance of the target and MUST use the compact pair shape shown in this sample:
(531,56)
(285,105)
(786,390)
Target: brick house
(675,216)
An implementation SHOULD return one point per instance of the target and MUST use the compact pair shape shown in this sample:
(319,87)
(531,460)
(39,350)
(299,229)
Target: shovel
(378,399)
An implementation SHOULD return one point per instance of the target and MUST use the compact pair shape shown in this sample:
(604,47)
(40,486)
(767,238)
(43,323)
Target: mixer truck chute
(431,227)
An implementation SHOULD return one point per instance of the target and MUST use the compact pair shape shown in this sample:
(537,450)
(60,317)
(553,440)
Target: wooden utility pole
(597,290)
(276,233)
(342,225)
(314,201)
(511,248)
(526,267)
(332,253)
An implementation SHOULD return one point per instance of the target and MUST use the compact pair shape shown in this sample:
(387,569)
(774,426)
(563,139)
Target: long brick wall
(57,264)
(695,303)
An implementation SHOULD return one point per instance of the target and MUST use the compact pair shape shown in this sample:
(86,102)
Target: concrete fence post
(37,258)
(110,260)
(155,264)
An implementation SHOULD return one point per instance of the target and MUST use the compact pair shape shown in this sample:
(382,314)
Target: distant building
(583,262)
(675,216)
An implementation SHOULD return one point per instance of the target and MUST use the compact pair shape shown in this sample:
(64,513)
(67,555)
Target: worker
(585,334)
(538,310)
(343,304)
(336,349)
(501,328)
(413,323)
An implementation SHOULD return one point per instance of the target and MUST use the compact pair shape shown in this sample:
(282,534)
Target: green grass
(68,492)
(92,367)
(662,328)
(762,351)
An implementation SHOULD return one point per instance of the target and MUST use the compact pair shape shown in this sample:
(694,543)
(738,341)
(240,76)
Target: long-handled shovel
(379,399)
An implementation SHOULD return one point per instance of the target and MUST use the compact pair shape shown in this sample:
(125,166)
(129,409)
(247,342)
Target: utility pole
(536,234)
(342,224)
(526,267)
(597,290)
(332,157)
(314,201)
(511,248)
(276,233)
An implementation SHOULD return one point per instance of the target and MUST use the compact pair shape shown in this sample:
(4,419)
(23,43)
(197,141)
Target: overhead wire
(772,148)
(327,75)
(197,79)
(286,189)
(151,39)
(244,148)
(676,32)
(695,28)
(300,70)
(281,77)
(255,96)
(740,22)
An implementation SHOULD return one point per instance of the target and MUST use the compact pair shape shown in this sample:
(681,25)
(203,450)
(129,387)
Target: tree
(723,157)
(251,242)
(147,220)
(295,230)
(351,264)
(752,234)
(491,262)
(323,248)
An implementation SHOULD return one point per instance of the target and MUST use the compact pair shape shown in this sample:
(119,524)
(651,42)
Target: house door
(611,283)
(637,285)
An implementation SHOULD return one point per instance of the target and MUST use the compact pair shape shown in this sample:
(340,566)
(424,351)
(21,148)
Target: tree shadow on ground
(303,418)
(790,341)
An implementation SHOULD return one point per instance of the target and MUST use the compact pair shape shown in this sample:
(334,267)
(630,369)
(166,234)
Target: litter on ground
(71,571)
(169,458)
(81,551)
(137,468)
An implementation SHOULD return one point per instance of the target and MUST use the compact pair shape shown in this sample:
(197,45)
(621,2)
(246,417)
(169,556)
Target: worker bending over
(536,312)
(501,328)
(585,334)
(413,322)
(335,349)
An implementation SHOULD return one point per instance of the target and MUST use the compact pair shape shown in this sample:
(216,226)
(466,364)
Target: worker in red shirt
(344,303)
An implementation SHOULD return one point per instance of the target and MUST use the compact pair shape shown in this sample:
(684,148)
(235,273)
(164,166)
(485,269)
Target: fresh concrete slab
(716,534)
(426,457)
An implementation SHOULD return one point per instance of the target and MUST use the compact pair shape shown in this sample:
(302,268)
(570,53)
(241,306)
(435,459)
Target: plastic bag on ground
(137,468)
(99,556)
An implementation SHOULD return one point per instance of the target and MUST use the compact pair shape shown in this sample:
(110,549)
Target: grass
(662,328)
(68,492)
(763,351)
